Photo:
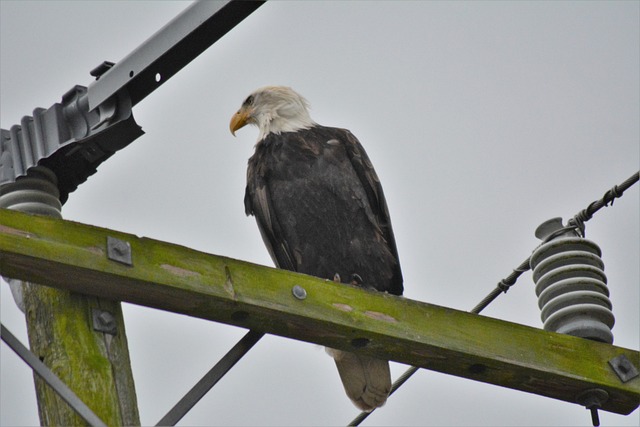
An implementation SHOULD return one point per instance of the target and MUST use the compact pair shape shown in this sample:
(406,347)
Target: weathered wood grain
(72,256)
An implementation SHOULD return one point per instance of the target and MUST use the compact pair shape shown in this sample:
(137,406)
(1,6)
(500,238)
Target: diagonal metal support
(210,379)
(73,137)
(50,378)
(170,49)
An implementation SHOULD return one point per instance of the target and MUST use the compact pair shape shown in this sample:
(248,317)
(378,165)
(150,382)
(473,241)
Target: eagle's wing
(261,207)
(258,202)
(371,184)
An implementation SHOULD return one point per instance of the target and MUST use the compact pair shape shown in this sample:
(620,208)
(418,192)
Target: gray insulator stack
(36,193)
(571,285)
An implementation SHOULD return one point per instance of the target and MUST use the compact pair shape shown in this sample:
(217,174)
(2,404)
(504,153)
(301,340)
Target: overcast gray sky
(483,119)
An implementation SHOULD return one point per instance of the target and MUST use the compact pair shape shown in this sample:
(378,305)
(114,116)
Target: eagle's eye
(249,100)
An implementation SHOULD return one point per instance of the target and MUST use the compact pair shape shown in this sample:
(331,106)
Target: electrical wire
(576,223)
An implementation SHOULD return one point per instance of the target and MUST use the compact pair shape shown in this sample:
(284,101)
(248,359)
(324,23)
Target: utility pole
(44,158)
(65,329)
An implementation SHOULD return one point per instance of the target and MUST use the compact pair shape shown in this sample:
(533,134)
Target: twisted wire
(576,223)
(586,214)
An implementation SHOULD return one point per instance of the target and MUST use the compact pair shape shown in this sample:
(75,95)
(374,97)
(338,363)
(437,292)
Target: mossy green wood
(93,364)
(186,281)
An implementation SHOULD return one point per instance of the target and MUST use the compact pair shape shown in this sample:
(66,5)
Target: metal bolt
(593,400)
(119,251)
(106,318)
(299,292)
(103,321)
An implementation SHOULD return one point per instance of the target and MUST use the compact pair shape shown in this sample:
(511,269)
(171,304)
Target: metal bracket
(623,367)
(119,251)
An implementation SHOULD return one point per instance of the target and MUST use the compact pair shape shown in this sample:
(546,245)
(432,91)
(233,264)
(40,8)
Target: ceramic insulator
(571,285)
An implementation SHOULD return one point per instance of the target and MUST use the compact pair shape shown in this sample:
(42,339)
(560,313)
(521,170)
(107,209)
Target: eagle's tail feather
(366,380)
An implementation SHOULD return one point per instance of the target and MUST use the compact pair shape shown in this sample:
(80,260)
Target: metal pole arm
(73,137)
(170,49)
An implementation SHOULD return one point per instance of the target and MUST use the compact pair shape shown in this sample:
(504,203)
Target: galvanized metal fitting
(119,251)
(103,321)
(624,369)
(593,399)
(299,292)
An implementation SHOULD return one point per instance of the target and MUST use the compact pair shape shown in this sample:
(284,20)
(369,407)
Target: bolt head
(106,318)
(299,292)
(104,321)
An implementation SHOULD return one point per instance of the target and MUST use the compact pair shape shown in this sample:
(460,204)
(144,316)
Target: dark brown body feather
(320,207)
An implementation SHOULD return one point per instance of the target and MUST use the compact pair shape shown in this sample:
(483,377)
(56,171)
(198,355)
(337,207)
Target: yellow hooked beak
(239,119)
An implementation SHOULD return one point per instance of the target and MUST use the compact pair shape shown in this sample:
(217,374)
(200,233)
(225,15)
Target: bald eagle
(321,211)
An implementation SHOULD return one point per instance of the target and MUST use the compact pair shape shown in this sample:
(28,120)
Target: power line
(576,223)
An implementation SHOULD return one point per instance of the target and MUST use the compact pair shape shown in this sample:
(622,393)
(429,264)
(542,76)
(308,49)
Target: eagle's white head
(274,109)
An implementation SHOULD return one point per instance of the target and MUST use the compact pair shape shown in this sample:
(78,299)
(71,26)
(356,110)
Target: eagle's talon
(356,280)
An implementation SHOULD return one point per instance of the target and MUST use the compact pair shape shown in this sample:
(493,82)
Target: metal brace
(50,378)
